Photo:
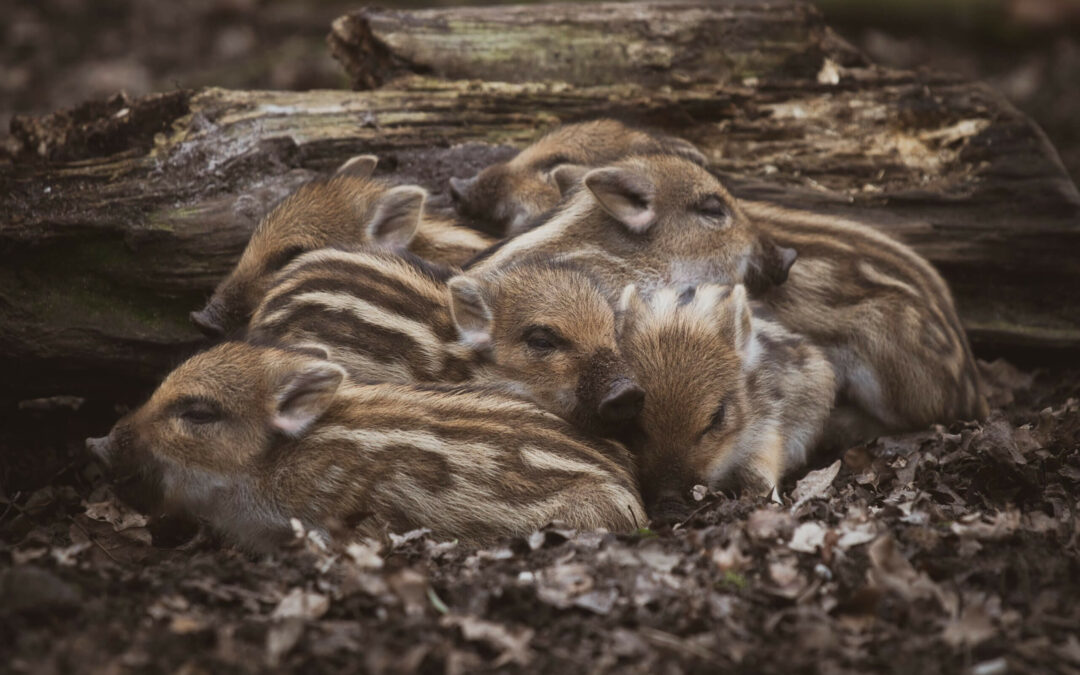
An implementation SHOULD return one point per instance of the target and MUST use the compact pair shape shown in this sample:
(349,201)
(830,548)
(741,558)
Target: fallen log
(118,217)
(652,44)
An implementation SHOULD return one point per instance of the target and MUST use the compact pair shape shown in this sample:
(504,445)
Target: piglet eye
(717,420)
(539,343)
(540,339)
(713,207)
(200,413)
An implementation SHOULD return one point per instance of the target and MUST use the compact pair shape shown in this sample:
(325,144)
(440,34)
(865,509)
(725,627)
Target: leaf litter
(955,549)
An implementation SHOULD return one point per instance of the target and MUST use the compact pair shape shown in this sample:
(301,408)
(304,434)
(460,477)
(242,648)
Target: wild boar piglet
(546,331)
(509,195)
(733,399)
(245,438)
(349,209)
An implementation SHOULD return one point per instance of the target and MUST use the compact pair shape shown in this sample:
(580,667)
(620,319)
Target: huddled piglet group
(638,332)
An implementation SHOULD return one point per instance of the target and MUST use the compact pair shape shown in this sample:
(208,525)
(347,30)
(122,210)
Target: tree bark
(118,217)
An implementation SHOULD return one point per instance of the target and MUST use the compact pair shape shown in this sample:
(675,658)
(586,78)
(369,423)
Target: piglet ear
(397,216)
(631,306)
(304,395)
(783,258)
(568,176)
(626,195)
(361,166)
(470,312)
(736,319)
(771,268)
(459,187)
(685,149)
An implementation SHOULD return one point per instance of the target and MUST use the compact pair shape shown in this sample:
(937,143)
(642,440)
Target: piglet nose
(99,447)
(668,509)
(207,323)
(623,402)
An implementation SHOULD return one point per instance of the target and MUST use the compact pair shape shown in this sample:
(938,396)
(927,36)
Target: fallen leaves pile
(951,550)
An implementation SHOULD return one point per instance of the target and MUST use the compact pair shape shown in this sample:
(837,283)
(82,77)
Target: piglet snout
(100,448)
(668,509)
(207,322)
(623,401)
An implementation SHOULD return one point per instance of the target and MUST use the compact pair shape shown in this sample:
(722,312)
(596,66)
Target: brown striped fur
(509,195)
(390,317)
(245,438)
(383,316)
(348,209)
(733,399)
(883,313)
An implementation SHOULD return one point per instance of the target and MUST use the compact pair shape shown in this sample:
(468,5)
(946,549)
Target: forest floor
(952,550)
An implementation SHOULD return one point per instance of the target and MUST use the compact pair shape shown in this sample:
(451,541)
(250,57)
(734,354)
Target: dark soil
(955,549)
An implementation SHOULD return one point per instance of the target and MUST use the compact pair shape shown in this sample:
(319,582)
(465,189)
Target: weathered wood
(118,218)
(593,44)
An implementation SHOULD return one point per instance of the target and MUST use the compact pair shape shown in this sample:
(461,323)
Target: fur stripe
(419,334)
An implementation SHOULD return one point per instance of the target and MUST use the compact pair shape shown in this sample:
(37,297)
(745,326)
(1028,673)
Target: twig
(11,504)
(694,513)
(59,473)
(675,643)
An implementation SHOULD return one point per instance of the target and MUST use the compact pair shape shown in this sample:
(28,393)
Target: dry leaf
(281,638)
(855,534)
(769,523)
(117,515)
(560,584)
(399,540)
(730,558)
(998,438)
(183,624)
(814,484)
(301,604)
(787,581)
(67,556)
(598,602)
(658,559)
(512,643)
(808,537)
(890,570)
(365,554)
(411,587)
(1000,525)
(970,629)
